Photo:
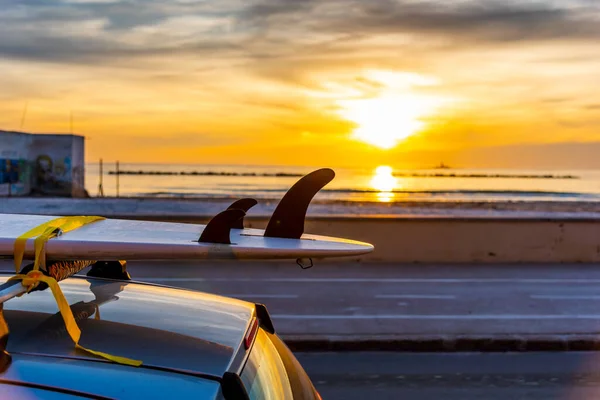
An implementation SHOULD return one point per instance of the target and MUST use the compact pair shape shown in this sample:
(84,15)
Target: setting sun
(383,121)
(389,110)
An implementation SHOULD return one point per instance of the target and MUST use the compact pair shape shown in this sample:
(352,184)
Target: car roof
(167,328)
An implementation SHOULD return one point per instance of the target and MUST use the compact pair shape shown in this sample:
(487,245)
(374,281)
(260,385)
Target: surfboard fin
(287,220)
(110,270)
(219,227)
(244,205)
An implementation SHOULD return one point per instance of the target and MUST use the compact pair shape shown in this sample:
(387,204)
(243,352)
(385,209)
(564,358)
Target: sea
(380,184)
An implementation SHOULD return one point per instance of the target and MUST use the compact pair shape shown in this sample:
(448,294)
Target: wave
(487,176)
(474,194)
(503,193)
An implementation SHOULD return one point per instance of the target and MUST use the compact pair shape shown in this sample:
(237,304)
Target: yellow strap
(32,279)
(43,233)
(116,359)
(3,326)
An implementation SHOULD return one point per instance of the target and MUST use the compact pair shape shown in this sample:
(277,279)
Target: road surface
(382,301)
(374,300)
(491,376)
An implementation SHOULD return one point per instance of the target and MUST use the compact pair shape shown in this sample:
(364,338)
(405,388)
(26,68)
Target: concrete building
(41,164)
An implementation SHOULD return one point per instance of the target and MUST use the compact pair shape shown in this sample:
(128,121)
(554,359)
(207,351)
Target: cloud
(240,67)
(109,30)
(470,20)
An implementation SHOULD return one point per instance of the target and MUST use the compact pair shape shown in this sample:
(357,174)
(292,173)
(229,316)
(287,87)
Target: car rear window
(264,375)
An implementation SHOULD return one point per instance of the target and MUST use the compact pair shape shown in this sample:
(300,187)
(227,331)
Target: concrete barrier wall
(459,240)
(466,241)
(47,164)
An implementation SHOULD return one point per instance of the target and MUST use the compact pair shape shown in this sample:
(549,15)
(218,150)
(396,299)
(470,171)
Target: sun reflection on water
(385,183)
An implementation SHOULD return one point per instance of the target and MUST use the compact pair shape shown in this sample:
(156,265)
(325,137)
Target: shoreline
(210,206)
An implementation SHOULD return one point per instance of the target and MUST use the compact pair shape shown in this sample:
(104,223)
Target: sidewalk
(191,209)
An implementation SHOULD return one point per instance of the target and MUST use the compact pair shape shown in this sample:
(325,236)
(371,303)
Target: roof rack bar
(58,270)
(10,290)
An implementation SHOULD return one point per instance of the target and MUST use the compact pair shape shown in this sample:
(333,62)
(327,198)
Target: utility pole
(118,173)
(100,186)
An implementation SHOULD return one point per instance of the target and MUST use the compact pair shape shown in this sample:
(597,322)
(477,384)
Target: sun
(384,121)
(392,111)
(384,182)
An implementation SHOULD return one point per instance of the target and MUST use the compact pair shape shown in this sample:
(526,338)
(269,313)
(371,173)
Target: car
(191,344)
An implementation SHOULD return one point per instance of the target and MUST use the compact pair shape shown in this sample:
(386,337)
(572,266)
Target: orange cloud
(298,82)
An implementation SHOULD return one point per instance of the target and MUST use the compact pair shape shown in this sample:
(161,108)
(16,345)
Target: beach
(182,208)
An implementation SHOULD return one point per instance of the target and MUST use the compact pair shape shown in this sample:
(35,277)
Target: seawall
(456,240)
(465,236)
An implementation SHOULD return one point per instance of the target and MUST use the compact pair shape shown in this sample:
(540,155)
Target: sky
(406,83)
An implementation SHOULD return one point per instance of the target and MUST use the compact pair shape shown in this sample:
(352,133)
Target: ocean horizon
(381,184)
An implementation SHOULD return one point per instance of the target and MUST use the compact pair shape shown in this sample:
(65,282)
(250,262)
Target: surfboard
(224,237)
(117,239)
(64,246)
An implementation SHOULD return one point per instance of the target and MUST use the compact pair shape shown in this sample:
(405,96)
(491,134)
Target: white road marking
(374,280)
(466,317)
(416,296)
(564,297)
(262,296)
(158,280)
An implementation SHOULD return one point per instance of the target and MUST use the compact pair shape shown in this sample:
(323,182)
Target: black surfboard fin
(244,205)
(110,270)
(287,220)
(219,227)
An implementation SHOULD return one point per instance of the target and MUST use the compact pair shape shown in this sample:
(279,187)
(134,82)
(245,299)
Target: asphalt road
(348,300)
(362,300)
(492,376)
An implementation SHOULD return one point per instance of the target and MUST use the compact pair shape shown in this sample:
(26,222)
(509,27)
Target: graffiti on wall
(14,176)
(53,175)
(13,171)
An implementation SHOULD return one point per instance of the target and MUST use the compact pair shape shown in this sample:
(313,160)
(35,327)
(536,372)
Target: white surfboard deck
(115,239)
